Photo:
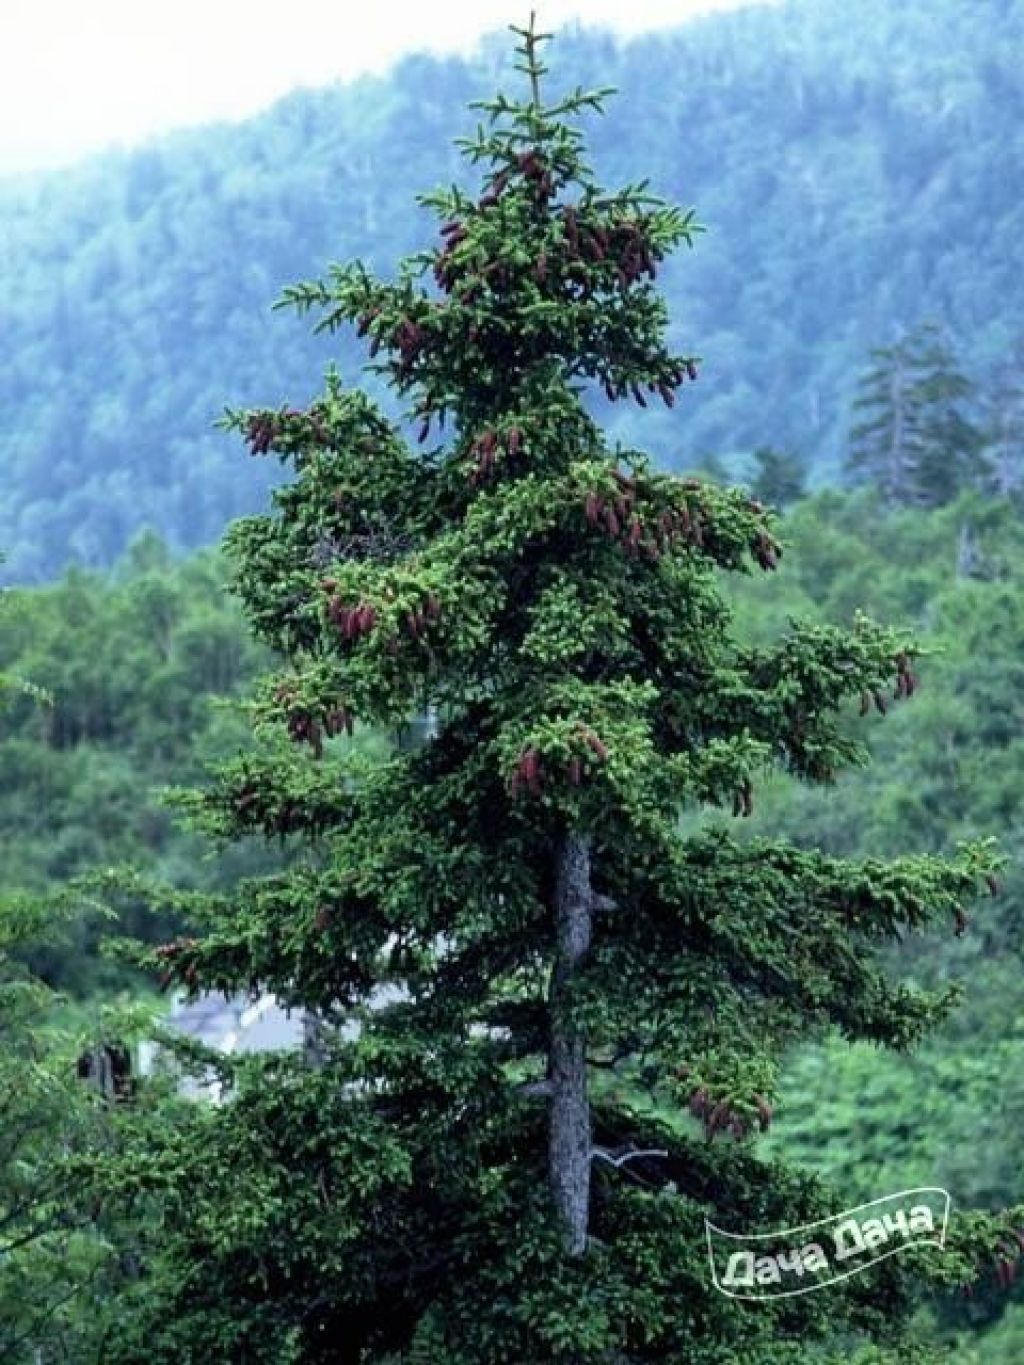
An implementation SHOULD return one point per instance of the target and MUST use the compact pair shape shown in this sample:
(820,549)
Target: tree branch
(617,1157)
(535,1089)
(603,905)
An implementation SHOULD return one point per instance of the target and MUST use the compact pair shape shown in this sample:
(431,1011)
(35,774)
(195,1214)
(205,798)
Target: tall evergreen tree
(547,1021)
(1004,428)
(951,459)
(914,439)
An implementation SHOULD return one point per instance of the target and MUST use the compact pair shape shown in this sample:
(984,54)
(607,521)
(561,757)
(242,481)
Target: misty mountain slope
(856,167)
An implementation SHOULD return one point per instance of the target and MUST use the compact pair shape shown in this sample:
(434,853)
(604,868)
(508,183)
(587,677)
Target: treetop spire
(530,61)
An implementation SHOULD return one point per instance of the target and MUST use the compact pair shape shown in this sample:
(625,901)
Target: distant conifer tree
(1003,428)
(914,438)
(780,477)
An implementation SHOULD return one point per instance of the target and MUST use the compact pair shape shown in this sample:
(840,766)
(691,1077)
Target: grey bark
(966,553)
(569,1137)
(314,1050)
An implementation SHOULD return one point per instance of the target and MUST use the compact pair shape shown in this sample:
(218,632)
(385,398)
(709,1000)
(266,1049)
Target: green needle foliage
(914,440)
(549,979)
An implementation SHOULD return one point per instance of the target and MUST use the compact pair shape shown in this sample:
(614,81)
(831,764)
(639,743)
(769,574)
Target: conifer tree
(548,1021)
(951,460)
(1004,428)
(914,439)
(780,477)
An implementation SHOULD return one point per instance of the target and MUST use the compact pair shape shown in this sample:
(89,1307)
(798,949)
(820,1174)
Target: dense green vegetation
(946,767)
(850,166)
(45,1265)
(130,662)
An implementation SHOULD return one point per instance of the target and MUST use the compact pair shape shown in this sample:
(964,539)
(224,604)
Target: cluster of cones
(530,773)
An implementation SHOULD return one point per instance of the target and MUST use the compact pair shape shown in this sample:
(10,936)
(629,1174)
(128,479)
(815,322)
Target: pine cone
(530,767)
(595,744)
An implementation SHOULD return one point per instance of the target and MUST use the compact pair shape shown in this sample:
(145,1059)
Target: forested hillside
(130,662)
(849,163)
(945,768)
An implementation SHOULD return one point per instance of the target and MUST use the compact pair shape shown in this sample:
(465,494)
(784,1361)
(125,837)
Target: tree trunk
(314,1052)
(966,552)
(569,1133)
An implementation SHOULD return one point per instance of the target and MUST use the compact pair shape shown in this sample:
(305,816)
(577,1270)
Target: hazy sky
(83,74)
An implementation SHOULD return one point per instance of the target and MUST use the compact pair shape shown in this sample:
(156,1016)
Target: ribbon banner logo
(776,1265)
